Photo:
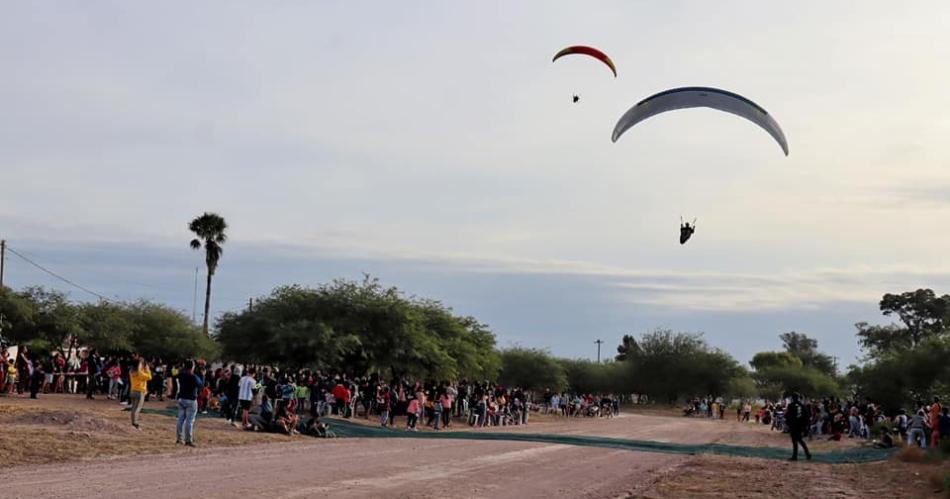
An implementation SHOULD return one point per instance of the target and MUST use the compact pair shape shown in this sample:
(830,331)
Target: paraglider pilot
(686,230)
(577,98)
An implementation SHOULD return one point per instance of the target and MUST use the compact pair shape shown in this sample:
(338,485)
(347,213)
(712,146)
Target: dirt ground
(51,445)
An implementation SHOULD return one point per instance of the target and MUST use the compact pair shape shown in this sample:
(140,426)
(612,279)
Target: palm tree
(210,229)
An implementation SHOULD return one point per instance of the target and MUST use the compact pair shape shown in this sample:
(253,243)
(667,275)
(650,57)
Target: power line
(54,274)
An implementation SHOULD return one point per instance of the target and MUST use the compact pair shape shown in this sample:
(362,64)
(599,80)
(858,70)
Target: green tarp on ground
(343,428)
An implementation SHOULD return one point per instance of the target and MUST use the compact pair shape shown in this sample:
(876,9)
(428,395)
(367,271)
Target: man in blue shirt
(188,387)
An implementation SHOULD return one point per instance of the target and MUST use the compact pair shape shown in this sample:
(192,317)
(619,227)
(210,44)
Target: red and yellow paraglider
(588,51)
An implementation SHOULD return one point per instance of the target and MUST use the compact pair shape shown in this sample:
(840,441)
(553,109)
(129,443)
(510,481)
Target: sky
(435,146)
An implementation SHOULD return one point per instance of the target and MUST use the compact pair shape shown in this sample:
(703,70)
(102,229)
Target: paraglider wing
(591,51)
(689,97)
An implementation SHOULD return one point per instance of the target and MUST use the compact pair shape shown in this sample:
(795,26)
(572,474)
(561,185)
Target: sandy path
(393,467)
(354,468)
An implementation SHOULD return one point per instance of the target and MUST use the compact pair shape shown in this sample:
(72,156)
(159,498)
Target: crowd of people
(265,398)
(835,419)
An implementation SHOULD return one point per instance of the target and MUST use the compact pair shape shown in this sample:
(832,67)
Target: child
(303,393)
(203,397)
(11,376)
(412,414)
(286,420)
(114,373)
(214,404)
(384,404)
(36,380)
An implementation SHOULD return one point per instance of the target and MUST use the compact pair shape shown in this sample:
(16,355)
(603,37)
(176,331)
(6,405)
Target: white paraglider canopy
(689,97)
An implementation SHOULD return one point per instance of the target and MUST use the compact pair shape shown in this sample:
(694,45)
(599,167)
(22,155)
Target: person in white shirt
(246,394)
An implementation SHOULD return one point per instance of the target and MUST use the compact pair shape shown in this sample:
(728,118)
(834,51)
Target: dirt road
(383,467)
(232,463)
(354,468)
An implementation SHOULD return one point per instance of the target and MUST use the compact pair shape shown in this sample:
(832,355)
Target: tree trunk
(207,303)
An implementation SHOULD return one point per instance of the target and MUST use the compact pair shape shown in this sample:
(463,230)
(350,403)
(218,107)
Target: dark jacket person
(798,419)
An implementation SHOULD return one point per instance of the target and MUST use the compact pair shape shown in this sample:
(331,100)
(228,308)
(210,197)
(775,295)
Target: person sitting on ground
(887,439)
(285,420)
(260,416)
(316,428)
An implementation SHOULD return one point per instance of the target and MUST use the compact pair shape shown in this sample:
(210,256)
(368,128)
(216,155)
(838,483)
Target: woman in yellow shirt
(138,381)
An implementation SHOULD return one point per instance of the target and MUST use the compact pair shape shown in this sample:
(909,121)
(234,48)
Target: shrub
(912,454)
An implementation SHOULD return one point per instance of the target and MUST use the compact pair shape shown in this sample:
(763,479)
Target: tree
(670,365)
(879,340)
(586,376)
(161,331)
(923,313)
(17,320)
(779,381)
(360,327)
(628,346)
(806,349)
(901,377)
(209,228)
(767,360)
(531,369)
(54,323)
(107,327)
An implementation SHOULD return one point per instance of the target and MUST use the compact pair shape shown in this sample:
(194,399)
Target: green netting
(855,455)
(343,428)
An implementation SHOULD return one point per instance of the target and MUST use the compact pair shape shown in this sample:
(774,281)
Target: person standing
(36,379)
(935,411)
(232,391)
(384,405)
(797,419)
(138,387)
(24,367)
(92,373)
(341,395)
(918,430)
(246,394)
(188,387)
(943,424)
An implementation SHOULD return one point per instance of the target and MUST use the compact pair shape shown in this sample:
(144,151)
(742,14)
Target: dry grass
(59,428)
(727,477)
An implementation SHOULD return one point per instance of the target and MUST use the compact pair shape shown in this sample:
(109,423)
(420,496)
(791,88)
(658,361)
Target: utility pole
(3,254)
(194,302)
(250,304)
(599,342)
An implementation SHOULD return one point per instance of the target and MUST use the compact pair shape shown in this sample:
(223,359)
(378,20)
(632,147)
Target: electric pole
(599,342)
(3,254)
(194,303)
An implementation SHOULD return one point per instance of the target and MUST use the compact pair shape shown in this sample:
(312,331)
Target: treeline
(363,327)
(360,327)
(46,321)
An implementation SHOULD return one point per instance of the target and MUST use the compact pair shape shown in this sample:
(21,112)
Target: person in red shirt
(342,395)
(384,405)
(935,411)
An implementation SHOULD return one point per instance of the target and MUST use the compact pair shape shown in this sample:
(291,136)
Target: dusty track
(304,467)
